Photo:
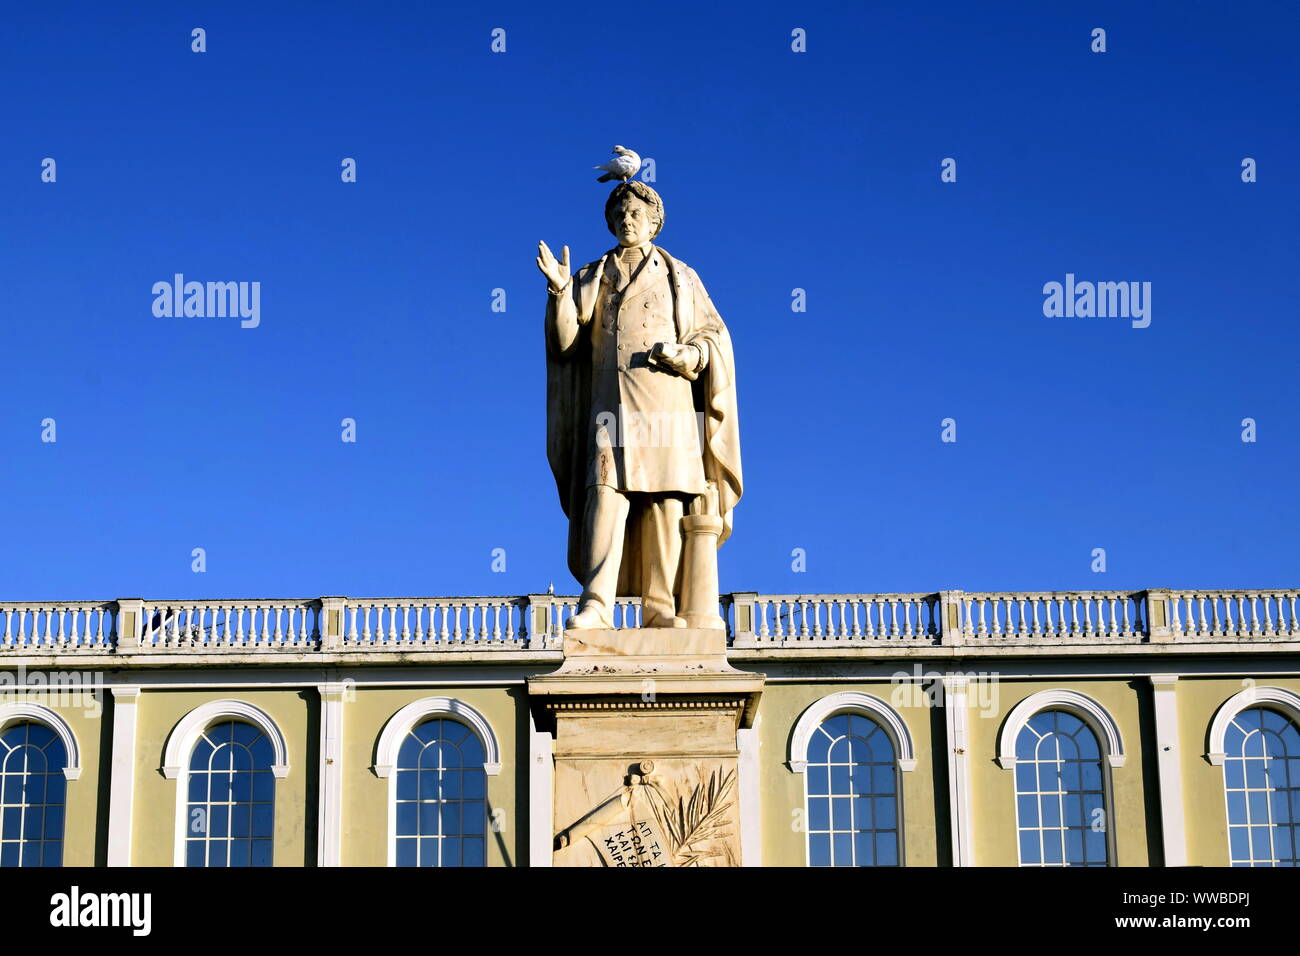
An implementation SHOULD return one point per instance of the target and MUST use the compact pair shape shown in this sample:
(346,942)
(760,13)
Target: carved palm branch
(689,823)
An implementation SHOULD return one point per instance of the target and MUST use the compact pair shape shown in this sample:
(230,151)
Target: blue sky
(779,170)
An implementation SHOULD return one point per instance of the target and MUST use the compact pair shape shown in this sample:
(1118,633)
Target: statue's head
(634,213)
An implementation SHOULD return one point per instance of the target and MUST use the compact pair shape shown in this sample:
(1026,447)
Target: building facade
(1151,728)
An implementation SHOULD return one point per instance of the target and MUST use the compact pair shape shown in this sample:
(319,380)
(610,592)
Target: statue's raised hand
(557,273)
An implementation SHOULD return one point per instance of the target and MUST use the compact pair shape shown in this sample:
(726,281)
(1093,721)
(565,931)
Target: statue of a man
(640,412)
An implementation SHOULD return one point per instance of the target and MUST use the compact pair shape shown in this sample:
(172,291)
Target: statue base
(646,768)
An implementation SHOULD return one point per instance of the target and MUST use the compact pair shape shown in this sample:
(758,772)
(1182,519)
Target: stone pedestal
(646,770)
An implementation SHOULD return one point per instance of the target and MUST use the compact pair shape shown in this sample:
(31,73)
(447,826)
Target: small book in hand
(661,352)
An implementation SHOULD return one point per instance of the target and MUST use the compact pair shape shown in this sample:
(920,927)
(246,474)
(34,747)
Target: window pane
(231,797)
(1262,792)
(1059,792)
(32,786)
(851,795)
(444,801)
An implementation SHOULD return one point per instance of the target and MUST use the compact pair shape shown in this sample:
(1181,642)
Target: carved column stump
(646,769)
(700,571)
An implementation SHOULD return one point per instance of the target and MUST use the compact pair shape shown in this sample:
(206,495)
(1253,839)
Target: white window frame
(851,702)
(24,711)
(1104,728)
(186,733)
(862,705)
(406,720)
(1280,699)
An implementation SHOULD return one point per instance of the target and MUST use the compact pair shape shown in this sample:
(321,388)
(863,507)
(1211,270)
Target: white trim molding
(185,734)
(1279,698)
(961,819)
(1169,768)
(541,795)
(329,826)
(748,770)
(25,710)
(402,722)
(850,702)
(1071,701)
(121,781)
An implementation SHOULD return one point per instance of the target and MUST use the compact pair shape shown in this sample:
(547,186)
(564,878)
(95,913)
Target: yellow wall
(993,790)
(84,816)
(1204,804)
(295,711)
(924,807)
(784,840)
(366,796)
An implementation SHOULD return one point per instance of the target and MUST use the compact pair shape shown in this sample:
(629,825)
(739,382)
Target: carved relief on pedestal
(665,818)
(646,769)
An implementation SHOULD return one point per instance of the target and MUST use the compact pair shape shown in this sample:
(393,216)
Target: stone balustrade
(536,622)
(65,626)
(811,619)
(1233,615)
(1092,617)
(416,623)
(239,625)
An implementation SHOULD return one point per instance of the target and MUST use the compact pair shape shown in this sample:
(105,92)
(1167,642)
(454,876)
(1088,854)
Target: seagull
(624,167)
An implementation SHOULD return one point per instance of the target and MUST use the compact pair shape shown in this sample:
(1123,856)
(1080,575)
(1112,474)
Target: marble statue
(642,432)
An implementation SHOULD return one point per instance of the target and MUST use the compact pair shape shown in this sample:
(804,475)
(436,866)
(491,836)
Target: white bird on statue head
(623,166)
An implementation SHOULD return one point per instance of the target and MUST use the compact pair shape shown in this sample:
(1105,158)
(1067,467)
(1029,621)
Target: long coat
(589,374)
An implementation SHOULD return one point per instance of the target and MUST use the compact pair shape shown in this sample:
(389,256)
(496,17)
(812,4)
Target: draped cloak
(569,397)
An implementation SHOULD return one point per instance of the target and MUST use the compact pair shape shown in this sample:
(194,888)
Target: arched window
(32,788)
(852,793)
(1061,804)
(441,796)
(1261,776)
(230,813)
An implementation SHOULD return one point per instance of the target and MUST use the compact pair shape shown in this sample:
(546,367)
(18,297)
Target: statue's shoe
(588,619)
